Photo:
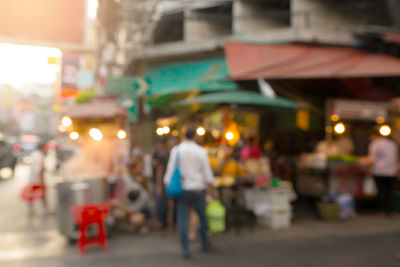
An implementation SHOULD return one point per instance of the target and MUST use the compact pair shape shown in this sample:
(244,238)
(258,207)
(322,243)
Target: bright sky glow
(92,9)
(22,65)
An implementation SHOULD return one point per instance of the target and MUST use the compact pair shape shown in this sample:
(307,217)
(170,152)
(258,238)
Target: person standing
(160,161)
(197,177)
(37,172)
(250,150)
(383,154)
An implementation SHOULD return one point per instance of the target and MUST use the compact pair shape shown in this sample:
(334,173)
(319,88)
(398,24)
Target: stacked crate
(281,210)
(276,202)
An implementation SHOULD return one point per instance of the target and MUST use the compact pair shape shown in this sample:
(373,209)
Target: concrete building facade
(190,27)
(145,30)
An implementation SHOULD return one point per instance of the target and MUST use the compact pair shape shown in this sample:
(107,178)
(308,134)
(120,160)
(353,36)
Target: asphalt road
(34,241)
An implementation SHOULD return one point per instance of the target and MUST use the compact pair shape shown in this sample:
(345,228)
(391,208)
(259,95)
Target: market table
(338,176)
(232,197)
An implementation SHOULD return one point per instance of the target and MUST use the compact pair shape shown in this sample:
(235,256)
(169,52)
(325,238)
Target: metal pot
(78,192)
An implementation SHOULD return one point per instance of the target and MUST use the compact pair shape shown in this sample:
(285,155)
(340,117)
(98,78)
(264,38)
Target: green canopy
(241,97)
(181,77)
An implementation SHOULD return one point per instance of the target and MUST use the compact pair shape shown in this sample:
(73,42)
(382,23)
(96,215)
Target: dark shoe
(187,256)
(397,255)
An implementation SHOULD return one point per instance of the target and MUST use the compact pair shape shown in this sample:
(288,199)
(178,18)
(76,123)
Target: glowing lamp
(200,131)
(385,130)
(96,134)
(74,135)
(340,128)
(121,134)
(66,121)
(229,136)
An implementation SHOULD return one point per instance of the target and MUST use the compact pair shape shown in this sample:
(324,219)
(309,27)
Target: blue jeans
(162,203)
(197,200)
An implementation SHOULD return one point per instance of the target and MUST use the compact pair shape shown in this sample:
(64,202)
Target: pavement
(34,241)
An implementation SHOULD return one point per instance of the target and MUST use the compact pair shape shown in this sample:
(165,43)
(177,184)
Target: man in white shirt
(197,176)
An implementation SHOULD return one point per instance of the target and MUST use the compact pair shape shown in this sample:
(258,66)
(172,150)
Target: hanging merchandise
(216,213)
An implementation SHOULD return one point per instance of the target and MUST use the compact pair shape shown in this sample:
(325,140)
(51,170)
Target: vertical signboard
(69,75)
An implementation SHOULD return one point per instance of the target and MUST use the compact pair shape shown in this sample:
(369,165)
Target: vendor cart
(98,129)
(77,192)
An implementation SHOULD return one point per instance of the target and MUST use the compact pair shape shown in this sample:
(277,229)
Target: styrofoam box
(286,207)
(279,196)
(275,197)
(277,220)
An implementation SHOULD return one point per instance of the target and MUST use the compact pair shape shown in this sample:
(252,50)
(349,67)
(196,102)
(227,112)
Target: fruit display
(344,158)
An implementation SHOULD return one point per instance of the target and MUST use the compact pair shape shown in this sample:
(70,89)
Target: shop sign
(132,86)
(69,76)
(303,120)
(85,79)
(130,104)
(364,110)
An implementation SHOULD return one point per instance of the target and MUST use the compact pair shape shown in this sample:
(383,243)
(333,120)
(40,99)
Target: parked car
(24,146)
(8,160)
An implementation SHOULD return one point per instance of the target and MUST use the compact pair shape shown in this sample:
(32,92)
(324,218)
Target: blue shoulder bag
(175,189)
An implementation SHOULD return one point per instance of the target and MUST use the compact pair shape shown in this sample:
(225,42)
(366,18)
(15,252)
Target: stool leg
(82,239)
(102,236)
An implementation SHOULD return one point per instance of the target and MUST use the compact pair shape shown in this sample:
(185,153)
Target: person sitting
(135,207)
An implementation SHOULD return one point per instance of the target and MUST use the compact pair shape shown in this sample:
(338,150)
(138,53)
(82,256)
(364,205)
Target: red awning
(391,37)
(295,61)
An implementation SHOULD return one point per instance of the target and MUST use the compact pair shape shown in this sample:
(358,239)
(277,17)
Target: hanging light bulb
(160,131)
(335,117)
(96,134)
(229,136)
(201,131)
(380,120)
(62,128)
(340,128)
(175,133)
(385,130)
(121,134)
(66,121)
(166,129)
(74,135)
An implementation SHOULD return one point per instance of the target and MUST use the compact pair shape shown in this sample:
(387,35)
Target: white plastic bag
(369,187)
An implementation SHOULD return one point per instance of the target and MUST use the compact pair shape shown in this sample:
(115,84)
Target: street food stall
(335,167)
(98,130)
(247,187)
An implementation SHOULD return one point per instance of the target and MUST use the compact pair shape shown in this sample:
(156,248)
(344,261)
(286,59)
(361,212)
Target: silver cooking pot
(77,192)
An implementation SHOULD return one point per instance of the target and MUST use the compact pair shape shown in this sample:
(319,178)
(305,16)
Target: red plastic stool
(31,193)
(87,215)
